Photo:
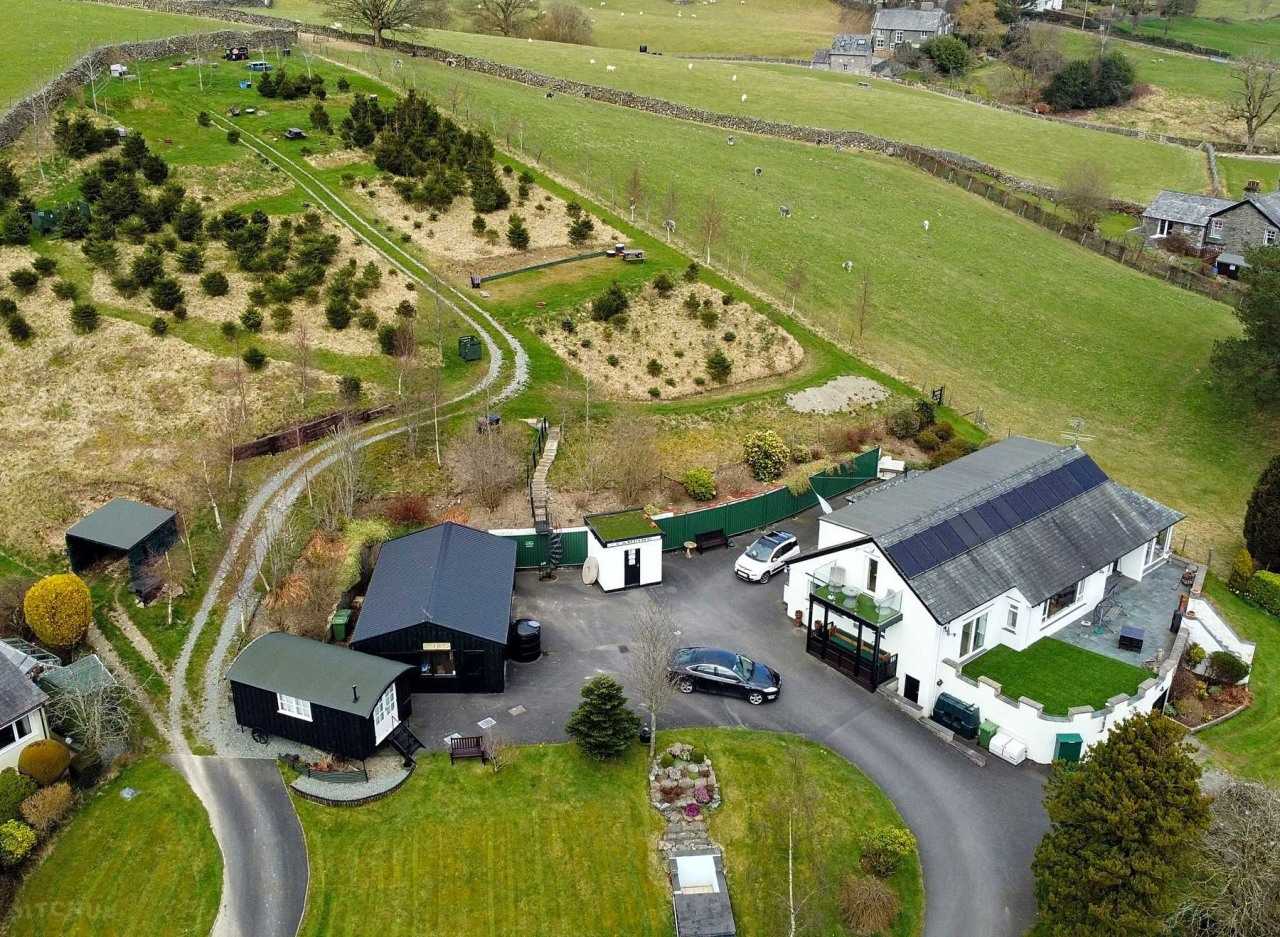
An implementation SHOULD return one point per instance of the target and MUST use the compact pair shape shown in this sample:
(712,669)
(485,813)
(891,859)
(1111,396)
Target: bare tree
(796,806)
(670,202)
(381,15)
(653,643)
(797,277)
(1236,890)
(505,17)
(94,73)
(1257,99)
(100,719)
(500,750)
(1085,192)
(186,499)
(1033,54)
(485,464)
(280,549)
(633,458)
(565,22)
(864,304)
(302,347)
(346,472)
(711,223)
(635,190)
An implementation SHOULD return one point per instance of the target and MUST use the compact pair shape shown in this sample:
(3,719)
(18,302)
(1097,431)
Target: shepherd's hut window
(292,706)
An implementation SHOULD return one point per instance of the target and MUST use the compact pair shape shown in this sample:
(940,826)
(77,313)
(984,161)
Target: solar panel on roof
(904,560)
(967,534)
(1033,491)
(1069,482)
(979,526)
(992,518)
(1087,472)
(950,538)
(1018,502)
(1006,512)
(934,543)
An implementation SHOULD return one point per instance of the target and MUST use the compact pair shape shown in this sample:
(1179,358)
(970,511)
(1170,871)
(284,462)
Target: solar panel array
(971,528)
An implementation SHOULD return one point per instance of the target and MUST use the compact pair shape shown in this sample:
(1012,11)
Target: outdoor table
(1132,637)
(689,547)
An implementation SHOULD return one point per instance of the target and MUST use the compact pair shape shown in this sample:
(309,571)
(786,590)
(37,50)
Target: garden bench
(466,746)
(710,539)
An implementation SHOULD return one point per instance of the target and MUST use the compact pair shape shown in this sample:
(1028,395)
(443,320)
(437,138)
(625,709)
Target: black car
(713,670)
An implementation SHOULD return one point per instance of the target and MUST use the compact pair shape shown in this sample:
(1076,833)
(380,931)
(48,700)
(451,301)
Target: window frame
(293,706)
(1269,236)
(1075,600)
(1216,227)
(1012,619)
(428,655)
(19,728)
(873,574)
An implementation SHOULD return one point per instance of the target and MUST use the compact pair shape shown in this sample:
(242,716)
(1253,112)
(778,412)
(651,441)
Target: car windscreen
(760,551)
(744,667)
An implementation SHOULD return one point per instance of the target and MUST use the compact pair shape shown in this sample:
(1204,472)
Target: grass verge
(1057,674)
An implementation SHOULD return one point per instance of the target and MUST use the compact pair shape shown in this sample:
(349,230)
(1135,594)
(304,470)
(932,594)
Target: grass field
(41,37)
(1246,745)
(144,866)
(1058,674)
(1236,171)
(512,837)
(1033,149)
(790,28)
(1182,74)
(1076,335)
(1237,36)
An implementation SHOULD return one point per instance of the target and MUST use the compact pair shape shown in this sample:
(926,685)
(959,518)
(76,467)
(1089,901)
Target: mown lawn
(1033,149)
(1058,674)
(144,866)
(1182,74)
(557,844)
(1009,317)
(42,37)
(1247,744)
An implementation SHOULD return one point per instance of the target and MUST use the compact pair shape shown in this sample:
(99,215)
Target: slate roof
(822,57)
(454,576)
(1039,556)
(311,670)
(86,675)
(1268,204)
(18,695)
(1184,208)
(121,523)
(851,44)
(908,19)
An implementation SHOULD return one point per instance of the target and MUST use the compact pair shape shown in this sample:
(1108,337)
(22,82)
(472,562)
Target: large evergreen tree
(1251,362)
(1124,824)
(1262,519)
(602,724)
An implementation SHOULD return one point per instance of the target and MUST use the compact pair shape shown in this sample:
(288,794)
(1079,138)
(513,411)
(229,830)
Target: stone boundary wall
(14,121)
(1211,157)
(756,59)
(1073,21)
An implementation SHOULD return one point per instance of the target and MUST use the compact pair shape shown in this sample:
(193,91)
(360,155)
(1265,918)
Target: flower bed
(683,783)
(1195,701)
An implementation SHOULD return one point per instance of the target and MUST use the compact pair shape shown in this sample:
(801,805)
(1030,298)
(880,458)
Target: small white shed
(119,70)
(627,548)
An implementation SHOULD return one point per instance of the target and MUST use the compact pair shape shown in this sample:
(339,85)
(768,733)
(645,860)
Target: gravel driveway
(977,826)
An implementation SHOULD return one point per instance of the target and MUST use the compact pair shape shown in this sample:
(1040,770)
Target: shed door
(386,715)
(631,575)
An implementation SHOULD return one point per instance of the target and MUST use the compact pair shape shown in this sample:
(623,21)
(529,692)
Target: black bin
(524,645)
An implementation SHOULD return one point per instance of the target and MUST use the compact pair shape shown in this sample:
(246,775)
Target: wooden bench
(467,746)
(710,539)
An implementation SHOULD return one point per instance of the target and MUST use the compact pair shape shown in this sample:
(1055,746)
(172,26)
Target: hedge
(1264,588)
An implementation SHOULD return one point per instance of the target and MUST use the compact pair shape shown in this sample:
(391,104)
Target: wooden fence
(1136,257)
(291,437)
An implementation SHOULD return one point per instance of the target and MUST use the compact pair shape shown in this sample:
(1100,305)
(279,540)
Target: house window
(1269,236)
(386,705)
(1063,600)
(898,37)
(973,635)
(879,41)
(1160,545)
(873,573)
(1011,622)
(292,706)
(437,661)
(1162,227)
(1215,228)
(15,731)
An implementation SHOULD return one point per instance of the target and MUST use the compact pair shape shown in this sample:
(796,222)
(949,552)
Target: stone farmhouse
(849,52)
(1221,225)
(892,28)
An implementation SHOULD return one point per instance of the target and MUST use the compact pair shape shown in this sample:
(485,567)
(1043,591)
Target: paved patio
(1148,605)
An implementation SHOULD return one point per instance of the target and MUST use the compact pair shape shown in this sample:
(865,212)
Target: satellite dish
(590,570)
(784,211)
(848,266)
(759,170)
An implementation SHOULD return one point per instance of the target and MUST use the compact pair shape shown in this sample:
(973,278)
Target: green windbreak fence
(733,518)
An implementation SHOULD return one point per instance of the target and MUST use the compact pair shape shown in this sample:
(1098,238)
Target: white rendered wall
(612,561)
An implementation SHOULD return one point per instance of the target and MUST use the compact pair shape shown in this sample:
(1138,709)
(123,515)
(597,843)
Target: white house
(22,715)
(1005,546)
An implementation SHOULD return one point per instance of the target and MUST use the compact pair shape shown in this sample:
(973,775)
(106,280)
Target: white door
(386,715)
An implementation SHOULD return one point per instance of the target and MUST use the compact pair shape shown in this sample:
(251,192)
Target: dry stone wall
(14,121)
